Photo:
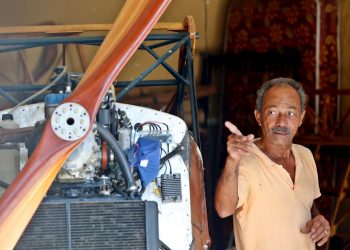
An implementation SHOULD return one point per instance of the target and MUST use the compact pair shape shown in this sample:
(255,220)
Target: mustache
(280,129)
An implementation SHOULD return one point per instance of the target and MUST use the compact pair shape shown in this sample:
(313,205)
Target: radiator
(93,224)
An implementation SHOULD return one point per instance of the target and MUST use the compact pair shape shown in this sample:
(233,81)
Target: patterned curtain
(279,38)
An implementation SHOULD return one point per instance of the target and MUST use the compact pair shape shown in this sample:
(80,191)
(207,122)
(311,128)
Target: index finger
(233,129)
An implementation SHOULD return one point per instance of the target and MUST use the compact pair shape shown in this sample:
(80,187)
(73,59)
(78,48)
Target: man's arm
(226,196)
(314,210)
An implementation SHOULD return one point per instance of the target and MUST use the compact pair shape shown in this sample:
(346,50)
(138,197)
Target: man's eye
(291,113)
(272,112)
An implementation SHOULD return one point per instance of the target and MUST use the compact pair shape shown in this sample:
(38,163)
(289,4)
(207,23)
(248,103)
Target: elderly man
(269,184)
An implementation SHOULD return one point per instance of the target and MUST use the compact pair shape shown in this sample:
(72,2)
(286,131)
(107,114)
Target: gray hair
(279,81)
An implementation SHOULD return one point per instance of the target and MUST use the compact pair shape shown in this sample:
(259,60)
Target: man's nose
(281,120)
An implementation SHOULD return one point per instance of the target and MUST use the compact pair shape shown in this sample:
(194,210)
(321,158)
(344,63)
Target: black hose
(118,152)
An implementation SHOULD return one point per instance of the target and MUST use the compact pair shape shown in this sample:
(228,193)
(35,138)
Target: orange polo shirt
(271,208)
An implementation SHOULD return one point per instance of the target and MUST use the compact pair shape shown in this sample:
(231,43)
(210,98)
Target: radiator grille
(47,229)
(115,226)
(93,225)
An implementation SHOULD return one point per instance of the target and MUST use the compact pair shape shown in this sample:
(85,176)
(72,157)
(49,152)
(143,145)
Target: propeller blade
(20,201)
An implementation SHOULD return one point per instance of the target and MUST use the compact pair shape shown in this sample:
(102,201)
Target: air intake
(93,224)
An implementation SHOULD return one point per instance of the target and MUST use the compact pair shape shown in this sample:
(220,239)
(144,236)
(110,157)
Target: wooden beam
(7,31)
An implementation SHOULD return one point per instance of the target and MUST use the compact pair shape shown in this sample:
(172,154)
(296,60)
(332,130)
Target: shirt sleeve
(243,186)
(317,192)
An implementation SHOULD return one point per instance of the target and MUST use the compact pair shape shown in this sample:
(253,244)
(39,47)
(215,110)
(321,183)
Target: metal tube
(11,99)
(149,83)
(171,51)
(176,75)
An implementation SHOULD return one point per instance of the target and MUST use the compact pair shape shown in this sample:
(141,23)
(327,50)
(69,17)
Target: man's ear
(257,115)
(302,118)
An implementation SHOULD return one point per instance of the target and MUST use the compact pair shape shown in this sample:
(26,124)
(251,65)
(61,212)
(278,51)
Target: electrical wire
(153,125)
(165,163)
(58,77)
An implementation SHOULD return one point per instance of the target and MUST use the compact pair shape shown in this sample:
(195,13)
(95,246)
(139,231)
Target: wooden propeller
(20,201)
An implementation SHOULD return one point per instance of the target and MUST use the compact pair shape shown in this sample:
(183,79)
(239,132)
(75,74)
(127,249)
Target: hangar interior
(203,63)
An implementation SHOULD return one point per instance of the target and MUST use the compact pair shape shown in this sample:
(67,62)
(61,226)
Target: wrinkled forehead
(282,94)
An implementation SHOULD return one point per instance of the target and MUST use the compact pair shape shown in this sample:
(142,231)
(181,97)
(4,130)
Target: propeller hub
(70,121)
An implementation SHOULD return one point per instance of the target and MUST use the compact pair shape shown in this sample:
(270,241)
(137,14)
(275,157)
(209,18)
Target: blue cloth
(147,159)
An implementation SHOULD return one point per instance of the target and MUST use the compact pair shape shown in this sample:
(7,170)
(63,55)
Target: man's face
(281,115)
